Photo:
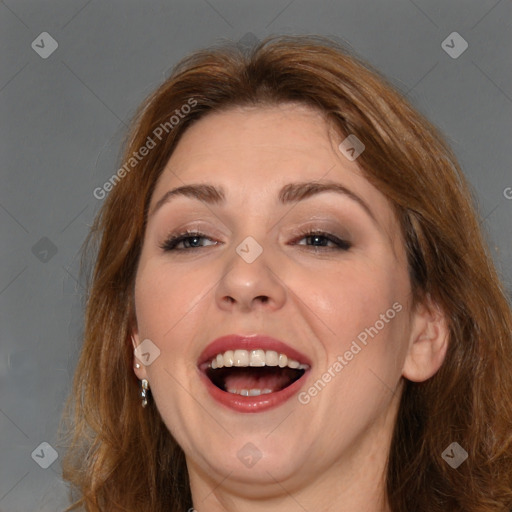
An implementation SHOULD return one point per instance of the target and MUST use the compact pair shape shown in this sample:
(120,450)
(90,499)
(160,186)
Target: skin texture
(330,453)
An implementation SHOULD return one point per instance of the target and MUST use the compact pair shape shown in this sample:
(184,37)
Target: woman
(292,307)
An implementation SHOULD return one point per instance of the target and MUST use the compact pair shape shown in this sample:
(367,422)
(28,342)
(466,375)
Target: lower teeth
(250,392)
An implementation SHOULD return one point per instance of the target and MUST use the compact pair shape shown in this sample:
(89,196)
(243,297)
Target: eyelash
(171,243)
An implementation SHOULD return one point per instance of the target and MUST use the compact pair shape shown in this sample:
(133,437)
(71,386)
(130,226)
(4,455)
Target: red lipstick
(264,401)
(250,342)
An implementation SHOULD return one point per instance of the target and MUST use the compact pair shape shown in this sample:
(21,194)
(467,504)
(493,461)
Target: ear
(140,372)
(428,342)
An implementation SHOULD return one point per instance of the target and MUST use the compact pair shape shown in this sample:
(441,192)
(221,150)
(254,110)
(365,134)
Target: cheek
(164,296)
(168,304)
(365,311)
(352,298)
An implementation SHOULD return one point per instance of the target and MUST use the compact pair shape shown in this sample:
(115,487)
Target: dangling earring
(144,392)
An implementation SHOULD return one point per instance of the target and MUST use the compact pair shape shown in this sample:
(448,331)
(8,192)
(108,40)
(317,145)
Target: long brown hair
(122,457)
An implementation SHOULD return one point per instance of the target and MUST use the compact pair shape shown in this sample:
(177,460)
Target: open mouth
(253,372)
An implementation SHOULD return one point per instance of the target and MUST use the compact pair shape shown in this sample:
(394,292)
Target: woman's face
(338,299)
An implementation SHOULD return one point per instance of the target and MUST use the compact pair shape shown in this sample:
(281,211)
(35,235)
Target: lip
(250,404)
(250,342)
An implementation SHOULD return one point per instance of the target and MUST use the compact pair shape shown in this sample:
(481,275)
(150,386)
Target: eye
(188,240)
(321,239)
(191,240)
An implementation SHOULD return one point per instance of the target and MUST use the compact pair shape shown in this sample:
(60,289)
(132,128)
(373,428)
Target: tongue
(275,381)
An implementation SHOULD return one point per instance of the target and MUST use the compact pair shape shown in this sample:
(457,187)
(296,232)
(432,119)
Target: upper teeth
(254,358)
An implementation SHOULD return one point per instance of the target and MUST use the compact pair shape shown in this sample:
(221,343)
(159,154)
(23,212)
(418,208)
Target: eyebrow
(290,193)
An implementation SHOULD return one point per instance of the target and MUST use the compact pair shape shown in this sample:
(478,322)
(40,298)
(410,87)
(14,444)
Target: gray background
(63,119)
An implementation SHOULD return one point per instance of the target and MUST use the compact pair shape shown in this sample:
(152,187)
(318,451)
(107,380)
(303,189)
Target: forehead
(252,152)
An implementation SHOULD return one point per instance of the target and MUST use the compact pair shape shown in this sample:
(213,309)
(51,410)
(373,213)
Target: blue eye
(190,238)
(320,239)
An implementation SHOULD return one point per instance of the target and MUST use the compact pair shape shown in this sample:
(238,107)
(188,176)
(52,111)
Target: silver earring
(137,365)
(144,392)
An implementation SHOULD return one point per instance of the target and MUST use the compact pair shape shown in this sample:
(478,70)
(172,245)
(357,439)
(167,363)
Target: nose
(248,285)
